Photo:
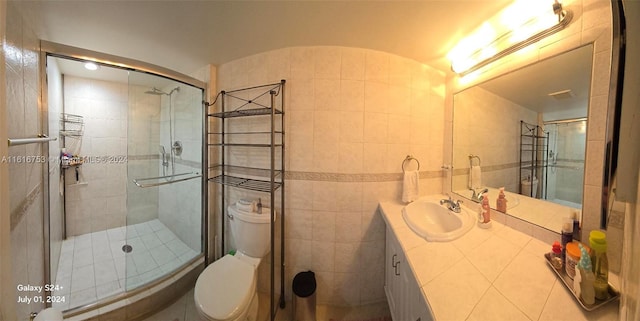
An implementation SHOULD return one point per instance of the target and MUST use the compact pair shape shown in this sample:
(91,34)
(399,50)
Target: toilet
(48,314)
(529,187)
(226,289)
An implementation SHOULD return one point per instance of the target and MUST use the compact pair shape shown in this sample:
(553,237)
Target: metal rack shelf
(246,171)
(245,145)
(245,113)
(265,101)
(534,145)
(245,133)
(246,183)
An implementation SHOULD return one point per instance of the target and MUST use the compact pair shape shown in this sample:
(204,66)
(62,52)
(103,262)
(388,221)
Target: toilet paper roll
(243,206)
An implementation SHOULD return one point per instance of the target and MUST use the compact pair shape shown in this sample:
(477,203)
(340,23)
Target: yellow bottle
(598,243)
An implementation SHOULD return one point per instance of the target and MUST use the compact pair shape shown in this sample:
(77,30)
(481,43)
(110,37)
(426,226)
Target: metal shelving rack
(534,145)
(266,101)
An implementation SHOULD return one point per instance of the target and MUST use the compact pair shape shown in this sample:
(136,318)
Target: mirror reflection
(526,131)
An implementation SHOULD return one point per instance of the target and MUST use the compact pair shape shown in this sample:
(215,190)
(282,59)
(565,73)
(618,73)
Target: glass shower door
(164,168)
(567,143)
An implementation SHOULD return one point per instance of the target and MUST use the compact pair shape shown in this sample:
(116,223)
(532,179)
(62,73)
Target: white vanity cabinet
(404,296)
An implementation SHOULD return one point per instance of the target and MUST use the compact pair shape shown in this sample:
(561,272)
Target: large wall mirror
(526,131)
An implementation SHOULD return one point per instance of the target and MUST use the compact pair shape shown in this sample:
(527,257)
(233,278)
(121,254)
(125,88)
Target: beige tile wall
(352,116)
(477,114)
(25,179)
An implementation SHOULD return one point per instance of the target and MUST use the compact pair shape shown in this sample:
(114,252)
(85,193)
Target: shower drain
(127,248)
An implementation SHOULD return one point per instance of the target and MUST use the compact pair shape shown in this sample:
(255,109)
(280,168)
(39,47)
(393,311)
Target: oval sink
(434,222)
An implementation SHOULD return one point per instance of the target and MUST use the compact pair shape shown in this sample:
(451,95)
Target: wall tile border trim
(180,161)
(23,208)
(490,168)
(365,177)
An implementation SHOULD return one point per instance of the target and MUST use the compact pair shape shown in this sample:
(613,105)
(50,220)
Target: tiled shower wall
(56,199)
(477,114)
(25,179)
(143,156)
(352,116)
(97,201)
(567,141)
(180,204)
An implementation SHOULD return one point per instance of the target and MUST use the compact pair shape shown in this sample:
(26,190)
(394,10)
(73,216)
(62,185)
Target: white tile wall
(101,203)
(348,111)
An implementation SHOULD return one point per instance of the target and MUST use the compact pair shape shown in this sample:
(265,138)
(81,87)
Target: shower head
(158,92)
(155,91)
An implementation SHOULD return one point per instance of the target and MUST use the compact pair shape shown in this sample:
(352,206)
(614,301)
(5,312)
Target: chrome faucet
(451,205)
(478,196)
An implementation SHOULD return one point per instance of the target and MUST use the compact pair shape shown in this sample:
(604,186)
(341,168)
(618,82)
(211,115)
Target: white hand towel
(475,177)
(410,186)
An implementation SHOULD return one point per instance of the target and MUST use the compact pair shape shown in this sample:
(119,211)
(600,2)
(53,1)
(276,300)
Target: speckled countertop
(488,274)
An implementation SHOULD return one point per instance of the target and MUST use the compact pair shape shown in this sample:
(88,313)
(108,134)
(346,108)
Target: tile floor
(184,309)
(93,266)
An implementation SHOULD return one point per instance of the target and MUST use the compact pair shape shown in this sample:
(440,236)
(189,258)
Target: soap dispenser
(501,201)
(484,213)
(486,209)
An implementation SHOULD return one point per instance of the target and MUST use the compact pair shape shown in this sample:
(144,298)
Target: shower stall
(127,185)
(567,142)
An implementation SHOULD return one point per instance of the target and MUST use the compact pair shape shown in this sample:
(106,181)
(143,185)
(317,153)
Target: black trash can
(304,296)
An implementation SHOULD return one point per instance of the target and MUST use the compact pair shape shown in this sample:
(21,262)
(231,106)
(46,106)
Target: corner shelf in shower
(71,125)
(264,102)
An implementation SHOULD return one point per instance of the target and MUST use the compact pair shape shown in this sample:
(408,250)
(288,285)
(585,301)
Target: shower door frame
(84,55)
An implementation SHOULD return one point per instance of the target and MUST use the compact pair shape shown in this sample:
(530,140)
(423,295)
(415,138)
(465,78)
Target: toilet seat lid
(225,288)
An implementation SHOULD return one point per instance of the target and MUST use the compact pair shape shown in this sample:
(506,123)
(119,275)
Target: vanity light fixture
(525,22)
(91,66)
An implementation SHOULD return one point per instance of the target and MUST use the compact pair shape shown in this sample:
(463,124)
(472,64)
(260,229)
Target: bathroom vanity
(497,273)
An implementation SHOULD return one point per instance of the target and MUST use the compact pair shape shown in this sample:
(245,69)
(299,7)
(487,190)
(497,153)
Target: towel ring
(471,157)
(408,159)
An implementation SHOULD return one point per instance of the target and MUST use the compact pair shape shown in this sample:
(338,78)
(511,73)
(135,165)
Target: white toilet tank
(530,187)
(251,231)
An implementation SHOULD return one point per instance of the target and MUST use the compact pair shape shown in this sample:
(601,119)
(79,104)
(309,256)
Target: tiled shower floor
(93,266)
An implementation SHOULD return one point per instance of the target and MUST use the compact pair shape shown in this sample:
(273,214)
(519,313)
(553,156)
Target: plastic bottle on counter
(567,235)
(501,201)
(598,244)
(583,282)
(555,256)
(575,214)
(486,210)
